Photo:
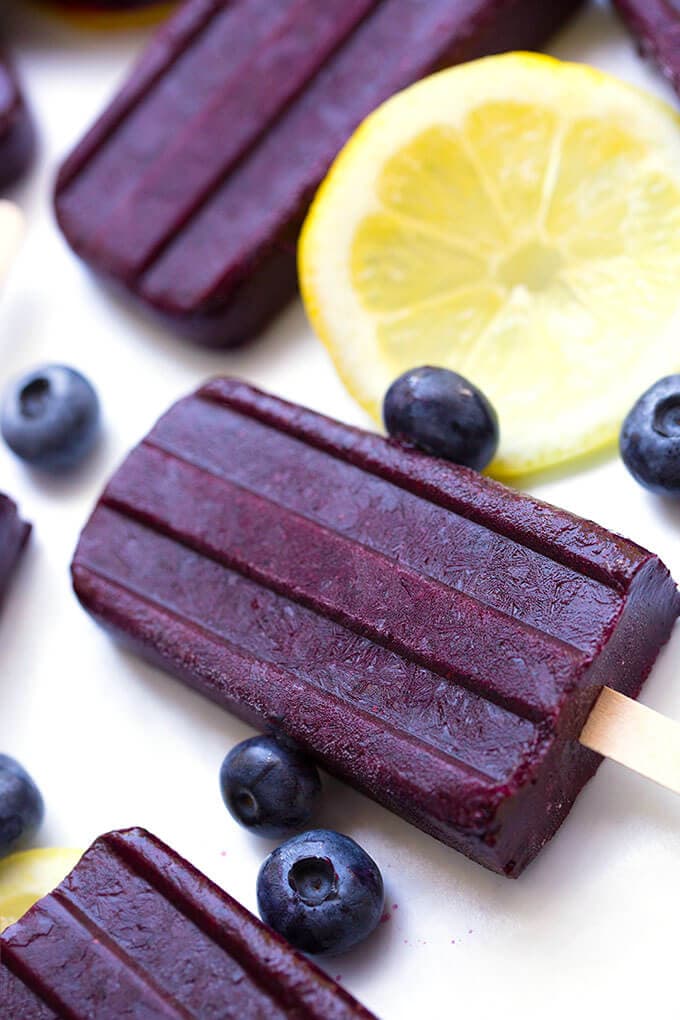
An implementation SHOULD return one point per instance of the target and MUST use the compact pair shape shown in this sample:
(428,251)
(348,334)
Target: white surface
(590,930)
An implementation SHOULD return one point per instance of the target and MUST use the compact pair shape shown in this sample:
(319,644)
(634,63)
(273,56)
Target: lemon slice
(26,877)
(516,219)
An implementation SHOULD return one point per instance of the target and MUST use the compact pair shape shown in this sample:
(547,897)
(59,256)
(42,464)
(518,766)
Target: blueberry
(650,437)
(50,417)
(444,414)
(321,891)
(21,806)
(269,788)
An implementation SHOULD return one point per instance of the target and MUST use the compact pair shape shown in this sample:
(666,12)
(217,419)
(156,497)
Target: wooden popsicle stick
(635,736)
(11,231)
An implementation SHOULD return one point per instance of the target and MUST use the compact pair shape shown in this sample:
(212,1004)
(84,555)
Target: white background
(592,929)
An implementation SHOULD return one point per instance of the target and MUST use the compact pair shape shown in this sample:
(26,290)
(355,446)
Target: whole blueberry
(21,806)
(650,437)
(321,891)
(50,417)
(444,414)
(269,788)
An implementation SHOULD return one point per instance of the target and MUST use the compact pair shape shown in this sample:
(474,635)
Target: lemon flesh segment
(516,219)
(28,876)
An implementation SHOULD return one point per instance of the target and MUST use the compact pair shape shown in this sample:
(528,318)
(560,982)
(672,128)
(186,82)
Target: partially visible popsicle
(17,140)
(190,190)
(136,931)
(13,537)
(430,636)
(655,24)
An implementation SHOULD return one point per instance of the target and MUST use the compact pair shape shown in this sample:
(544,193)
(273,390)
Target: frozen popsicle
(13,537)
(136,931)
(190,190)
(428,635)
(16,128)
(655,24)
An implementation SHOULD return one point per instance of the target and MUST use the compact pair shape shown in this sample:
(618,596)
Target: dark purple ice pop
(13,537)
(191,189)
(655,24)
(136,932)
(430,636)
(17,140)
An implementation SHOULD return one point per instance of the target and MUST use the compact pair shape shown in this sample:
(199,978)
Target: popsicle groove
(196,162)
(189,896)
(138,128)
(415,532)
(213,950)
(423,620)
(122,980)
(108,945)
(164,53)
(445,799)
(575,543)
(412,573)
(415,739)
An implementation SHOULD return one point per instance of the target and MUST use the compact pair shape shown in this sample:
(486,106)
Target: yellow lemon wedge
(28,876)
(517,220)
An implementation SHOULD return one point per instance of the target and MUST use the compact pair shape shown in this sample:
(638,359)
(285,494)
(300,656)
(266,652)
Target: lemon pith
(516,219)
(28,876)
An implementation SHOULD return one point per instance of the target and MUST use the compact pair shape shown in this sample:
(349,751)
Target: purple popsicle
(189,192)
(136,931)
(17,141)
(433,638)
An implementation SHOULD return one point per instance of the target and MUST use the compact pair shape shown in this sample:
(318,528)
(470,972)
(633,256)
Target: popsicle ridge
(254,947)
(365,591)
(101,954)
(576,543)
(205,150)
(468,566)
(165,50)
(422,732)
(266,60)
